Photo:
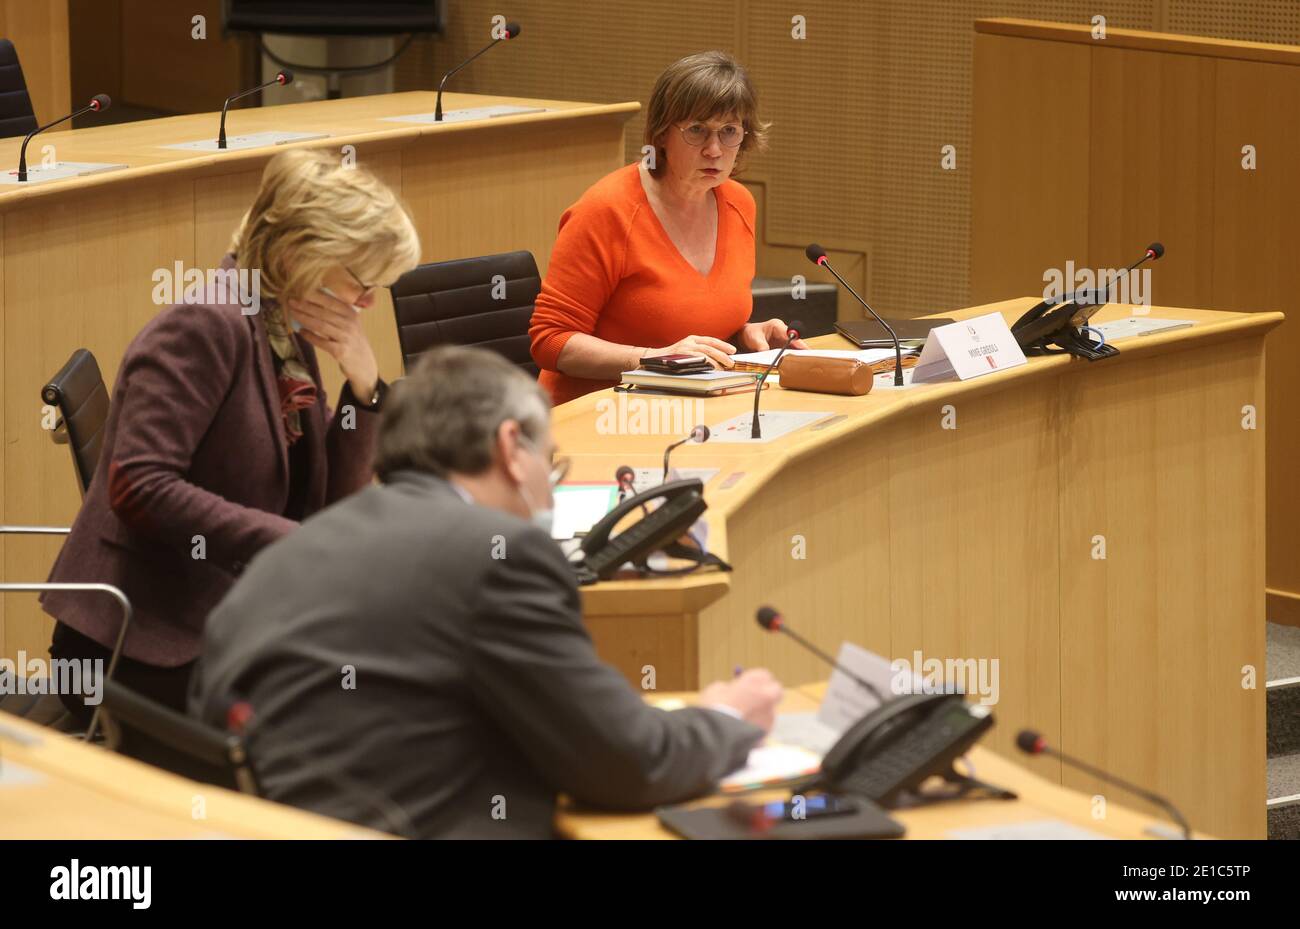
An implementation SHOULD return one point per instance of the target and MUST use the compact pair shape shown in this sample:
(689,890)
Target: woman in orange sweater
(657,257)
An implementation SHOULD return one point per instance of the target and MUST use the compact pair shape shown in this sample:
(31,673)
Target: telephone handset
(901,743)
(1058,321)
(600,555)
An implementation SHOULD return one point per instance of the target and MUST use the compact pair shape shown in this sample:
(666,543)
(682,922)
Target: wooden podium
(1097,528)
(79,256)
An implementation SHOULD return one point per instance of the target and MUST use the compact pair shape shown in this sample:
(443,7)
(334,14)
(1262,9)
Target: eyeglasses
(559,470)
(559,466)
(366,289)
(696,134)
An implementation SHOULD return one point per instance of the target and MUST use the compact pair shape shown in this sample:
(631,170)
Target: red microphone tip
(821,260)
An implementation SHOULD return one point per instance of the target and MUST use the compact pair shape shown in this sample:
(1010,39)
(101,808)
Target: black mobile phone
(811,807)
(676,362)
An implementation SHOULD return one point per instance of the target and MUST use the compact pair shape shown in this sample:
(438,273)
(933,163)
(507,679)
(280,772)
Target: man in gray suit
(414,657)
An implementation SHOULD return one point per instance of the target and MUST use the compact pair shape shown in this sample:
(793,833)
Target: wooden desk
(981,542)
(53,786)
(1038,800)
(79,256)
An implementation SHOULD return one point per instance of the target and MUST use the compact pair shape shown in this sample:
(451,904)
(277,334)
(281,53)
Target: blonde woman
(219,437)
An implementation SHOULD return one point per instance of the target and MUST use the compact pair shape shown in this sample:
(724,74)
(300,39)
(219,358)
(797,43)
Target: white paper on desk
(578,507)
(646,478)
(864,355)
(1035,830)
(770,763)
(16,775)
(846,700)
(774,424)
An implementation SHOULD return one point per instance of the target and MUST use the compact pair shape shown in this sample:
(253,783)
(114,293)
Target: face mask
(542,519)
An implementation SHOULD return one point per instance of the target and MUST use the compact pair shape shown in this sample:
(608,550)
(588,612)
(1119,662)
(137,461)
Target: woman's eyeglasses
(366,289)
(696,134)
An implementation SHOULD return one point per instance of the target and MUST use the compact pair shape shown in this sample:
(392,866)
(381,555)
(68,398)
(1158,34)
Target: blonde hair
(312,214)
(700,87)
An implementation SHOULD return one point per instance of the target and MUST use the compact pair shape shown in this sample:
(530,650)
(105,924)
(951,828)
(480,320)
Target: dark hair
(443,417)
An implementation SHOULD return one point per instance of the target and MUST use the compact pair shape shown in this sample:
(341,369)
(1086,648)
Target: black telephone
(1058,321)
(898,745)
(599,555)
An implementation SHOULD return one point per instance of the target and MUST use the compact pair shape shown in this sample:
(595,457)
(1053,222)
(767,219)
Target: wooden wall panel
(39,31)
(1256,246)
(78,275)
(1029,205)
(1151,175)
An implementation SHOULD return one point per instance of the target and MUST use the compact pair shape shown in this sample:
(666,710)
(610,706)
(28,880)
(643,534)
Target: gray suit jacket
(406,648)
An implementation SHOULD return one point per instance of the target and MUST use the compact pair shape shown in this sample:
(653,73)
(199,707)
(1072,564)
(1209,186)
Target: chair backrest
(487,302)
(79,393)
(16,114)
(182,745)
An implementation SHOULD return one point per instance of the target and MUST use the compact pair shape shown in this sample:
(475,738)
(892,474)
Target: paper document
(578,507)
(770,763)
(865,355)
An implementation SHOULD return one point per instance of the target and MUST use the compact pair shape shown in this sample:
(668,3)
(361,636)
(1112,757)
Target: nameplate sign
(969,348)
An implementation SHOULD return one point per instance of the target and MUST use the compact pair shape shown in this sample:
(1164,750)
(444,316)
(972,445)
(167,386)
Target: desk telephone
(897,746)
(601,553)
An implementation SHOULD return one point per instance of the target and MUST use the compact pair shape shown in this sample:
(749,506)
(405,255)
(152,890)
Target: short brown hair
(444,415)
(700,87)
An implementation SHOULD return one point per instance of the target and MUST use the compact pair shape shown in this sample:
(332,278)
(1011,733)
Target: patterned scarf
(294,381)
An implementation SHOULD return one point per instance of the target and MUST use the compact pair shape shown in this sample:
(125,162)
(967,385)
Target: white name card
(969,348)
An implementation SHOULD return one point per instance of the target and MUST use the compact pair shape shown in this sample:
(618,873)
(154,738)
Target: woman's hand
(717,351)
(759,337)
(335,328)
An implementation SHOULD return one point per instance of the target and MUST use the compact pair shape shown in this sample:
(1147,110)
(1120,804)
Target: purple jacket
(195,446)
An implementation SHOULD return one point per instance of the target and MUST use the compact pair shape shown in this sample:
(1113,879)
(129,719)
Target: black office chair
(176,742)
(17,117)
(487,302)
(81,397)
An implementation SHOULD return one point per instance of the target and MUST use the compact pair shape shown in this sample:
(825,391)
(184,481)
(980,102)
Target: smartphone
(676,363)
(812,807)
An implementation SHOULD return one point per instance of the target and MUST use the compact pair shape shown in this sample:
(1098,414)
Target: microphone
(699,434)
(512,30)
(1155,251)
(817,255)
(791,333)
(625,477)
(772,621)
(1031,743)
(281,77)
(98,104)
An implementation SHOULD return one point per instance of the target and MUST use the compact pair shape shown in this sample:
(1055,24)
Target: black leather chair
(16,114)
(81,397)
(464,302)
(176,742)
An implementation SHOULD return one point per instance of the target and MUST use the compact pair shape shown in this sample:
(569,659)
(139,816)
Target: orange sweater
(616,275)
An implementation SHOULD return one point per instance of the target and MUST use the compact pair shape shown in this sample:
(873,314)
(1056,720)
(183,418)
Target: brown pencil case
(846,376)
